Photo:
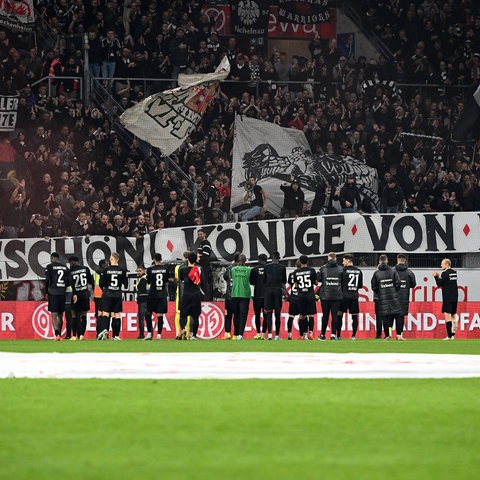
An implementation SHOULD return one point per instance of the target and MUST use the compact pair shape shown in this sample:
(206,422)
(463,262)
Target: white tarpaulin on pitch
(275,155)
(166,119)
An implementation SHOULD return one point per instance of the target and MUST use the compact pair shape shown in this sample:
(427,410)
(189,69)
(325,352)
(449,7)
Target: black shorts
(449,307)
(350,305)
(191,305)
(307,306)
(98,304)
(81,305)
(157,305)
(112,304)
(273,300)
(293,307)
(56,303)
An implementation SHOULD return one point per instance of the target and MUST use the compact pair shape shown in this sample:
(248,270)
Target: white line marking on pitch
(237,365)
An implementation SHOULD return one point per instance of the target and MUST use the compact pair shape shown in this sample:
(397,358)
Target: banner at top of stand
(305,11)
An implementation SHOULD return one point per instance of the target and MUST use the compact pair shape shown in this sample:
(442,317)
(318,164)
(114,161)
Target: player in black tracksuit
(407,282)
(352,282)
(386,284)
(257,279)
(80,279)
(448,281)
(330,278)
(56,279)
(275,280)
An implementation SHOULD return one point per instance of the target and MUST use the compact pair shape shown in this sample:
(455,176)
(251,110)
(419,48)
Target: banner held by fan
(166,119)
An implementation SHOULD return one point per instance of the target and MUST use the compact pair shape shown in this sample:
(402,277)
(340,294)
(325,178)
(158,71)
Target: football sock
(354,325)
(302,323)
(311,324)
(148,321)
(160,323)
(116,324)
(339,325)
(290,324)
(83,325)
(449,329)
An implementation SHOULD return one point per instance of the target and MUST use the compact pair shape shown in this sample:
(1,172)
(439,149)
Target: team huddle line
(335,286)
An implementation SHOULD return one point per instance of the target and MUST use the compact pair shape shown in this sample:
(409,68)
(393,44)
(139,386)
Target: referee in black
(448,281)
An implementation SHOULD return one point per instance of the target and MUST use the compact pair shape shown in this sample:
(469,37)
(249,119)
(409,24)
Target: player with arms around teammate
(158,278)
(305,279)
(257,279)
(448,281)
(80,279)
(407,282)
(56,279)
(112,279)
(352,282)
(191,301)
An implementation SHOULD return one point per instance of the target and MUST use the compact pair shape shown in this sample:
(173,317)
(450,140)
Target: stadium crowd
(75,175)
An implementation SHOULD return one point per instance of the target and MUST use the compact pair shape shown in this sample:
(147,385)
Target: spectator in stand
(81,226)
(349,196)
(293,199)
(110,50)
(256,197)
(392,197)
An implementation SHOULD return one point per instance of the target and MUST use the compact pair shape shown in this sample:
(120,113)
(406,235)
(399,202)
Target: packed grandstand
(69,168)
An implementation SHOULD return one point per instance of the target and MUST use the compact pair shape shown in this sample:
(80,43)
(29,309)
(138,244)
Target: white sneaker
(270,336)
(117,339)
(193,337)
(104,335)
(277,337)
(158,336)
(239,337)
(148,337)
(447,338)
(333,337)
(400,337)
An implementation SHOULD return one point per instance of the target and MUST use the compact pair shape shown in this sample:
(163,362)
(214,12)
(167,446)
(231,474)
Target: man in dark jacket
(330,278)
(349,196)
(392,197)
(293,199)
(386,284)
(407,282)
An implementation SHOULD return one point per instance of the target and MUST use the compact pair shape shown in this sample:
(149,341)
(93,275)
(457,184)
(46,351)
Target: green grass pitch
(240,429)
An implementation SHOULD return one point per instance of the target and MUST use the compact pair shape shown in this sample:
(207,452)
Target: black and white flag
(166,119)
(275,155)
(250,17)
